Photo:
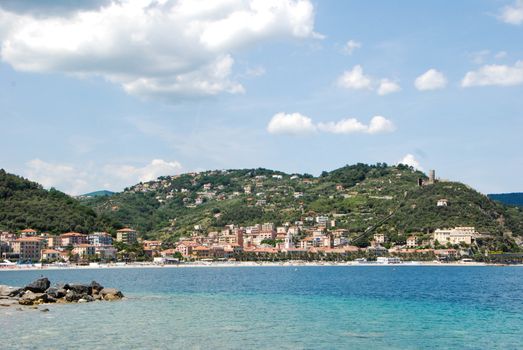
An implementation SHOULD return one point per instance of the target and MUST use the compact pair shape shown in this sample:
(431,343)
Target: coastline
(242,264)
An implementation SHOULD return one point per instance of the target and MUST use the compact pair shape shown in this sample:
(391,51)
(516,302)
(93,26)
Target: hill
(101,193)
(361,198)
(24,204)
(508,198)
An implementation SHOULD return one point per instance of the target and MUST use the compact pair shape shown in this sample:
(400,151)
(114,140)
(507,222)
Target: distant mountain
(25,204)
(515,198)
(101,193)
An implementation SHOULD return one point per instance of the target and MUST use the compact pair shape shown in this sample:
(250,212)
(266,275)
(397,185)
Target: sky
(105,94)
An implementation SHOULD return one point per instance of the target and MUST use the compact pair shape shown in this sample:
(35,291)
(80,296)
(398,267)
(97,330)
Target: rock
(111,294)
(55,292)
(30,298)
(7,291)
(72,296)
(96,287)
(81,288)
(45,310)
(38,286)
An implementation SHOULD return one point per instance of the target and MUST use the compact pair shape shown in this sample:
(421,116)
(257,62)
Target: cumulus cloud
(77,180)
(387,86)
(512,14)
(296,123)
(430,80)
(355,79)
(410,160)
(351,46)
(495,74)
(152,48)
(293,123)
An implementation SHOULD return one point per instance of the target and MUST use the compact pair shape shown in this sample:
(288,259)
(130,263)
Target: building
(100,238)
(28,248)
(456,235)
(201,252)
(185,248)
(105,252)
(51,254)
(379,238)
(72,239)
(84,250)
(412,242)
(127,236)
(322,220)
(443,202)
(28,232)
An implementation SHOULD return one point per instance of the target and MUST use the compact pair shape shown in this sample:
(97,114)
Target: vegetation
(26,204)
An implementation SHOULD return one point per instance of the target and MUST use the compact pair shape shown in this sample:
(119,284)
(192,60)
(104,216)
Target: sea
(287,307)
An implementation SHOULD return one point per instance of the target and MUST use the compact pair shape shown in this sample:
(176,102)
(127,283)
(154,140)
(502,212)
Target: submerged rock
(111,294)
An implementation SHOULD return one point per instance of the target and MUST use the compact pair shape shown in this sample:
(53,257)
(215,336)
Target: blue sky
(110,94)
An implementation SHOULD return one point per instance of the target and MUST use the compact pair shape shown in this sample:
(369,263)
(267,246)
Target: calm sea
(407,307)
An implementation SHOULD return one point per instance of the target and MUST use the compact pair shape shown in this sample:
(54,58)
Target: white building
(455,235)
(443,202)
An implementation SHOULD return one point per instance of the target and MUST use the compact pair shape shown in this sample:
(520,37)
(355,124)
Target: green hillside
(361,198)
(26,204)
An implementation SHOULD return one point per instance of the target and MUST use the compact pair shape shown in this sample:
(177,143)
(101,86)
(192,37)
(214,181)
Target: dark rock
(55,292)
(38,286)
(72,296)
(30,298)
(96,286)
(50,299)
(45,310)
(81,288)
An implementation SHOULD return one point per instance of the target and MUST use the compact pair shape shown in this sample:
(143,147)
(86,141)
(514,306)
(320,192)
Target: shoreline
(245,264)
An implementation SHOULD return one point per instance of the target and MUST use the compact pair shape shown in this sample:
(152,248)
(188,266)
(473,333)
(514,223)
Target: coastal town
(262,242)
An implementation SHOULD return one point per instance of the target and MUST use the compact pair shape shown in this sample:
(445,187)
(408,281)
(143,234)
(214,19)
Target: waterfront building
(84,250)
(100,238)
(127,236)
(51,254)
(455,235)
(28,248)
(72,239)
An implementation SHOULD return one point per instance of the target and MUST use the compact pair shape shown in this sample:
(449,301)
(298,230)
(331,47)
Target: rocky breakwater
(41,292)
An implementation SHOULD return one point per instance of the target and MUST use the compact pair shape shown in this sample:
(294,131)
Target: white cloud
(351,46)
(379,124)
(294,123)
(495,74)
(77,180)
(355,79)
(410,160)
(344,126)
(61,176)
(297,123)
(388,87)
(132,174)
(430,80)
(512,14)
(152,48)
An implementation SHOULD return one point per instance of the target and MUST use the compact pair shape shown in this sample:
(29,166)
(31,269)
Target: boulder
(96,287)
(38,286)
(111,294)
(55,292)
(81,288)
(30,298)
(72,296)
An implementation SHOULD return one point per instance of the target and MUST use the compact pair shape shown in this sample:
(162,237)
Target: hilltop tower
(432,176)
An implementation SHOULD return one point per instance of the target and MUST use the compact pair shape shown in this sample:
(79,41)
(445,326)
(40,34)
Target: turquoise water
(280,308)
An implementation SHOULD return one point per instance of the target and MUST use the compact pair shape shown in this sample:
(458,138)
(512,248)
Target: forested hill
(358,197)
(508,198)
(25,204)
